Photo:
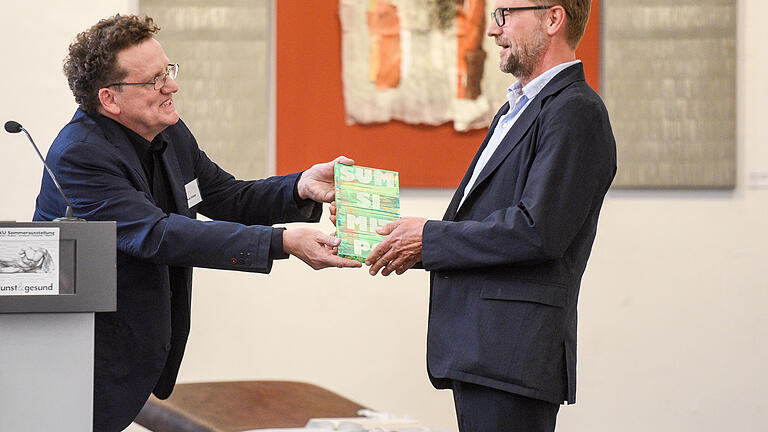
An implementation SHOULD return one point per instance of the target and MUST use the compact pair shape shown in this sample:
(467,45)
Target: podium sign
(80,255)
(53,277)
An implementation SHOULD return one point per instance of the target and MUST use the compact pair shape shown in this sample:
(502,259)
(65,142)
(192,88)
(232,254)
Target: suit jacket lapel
(114,135)
(510,141)
(523,123)
(450,213)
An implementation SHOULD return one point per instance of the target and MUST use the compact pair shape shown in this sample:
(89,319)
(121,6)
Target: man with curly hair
(127,157)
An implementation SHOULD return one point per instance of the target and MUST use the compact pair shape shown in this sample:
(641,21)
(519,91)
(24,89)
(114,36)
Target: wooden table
(242,405)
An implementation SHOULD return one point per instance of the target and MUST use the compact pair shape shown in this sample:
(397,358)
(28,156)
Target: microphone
(14,127)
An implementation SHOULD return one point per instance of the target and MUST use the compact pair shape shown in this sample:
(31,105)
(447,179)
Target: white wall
(673,323)
(35,35)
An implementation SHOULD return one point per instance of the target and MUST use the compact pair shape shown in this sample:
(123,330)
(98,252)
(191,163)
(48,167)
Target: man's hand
(400,250)
(316,249)
(316,183)
(332,212)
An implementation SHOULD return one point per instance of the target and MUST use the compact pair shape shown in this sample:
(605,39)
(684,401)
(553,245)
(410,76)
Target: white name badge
(193,194)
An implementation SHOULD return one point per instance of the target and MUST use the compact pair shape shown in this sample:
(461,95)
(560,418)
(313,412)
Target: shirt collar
(534,87)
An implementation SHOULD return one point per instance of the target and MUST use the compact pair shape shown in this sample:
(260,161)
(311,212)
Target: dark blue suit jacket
(506,267)
(138,348)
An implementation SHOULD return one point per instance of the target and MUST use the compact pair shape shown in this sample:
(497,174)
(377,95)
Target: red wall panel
(310,106)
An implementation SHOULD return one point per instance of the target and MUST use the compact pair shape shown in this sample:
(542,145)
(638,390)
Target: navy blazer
(138,348)
(507,265)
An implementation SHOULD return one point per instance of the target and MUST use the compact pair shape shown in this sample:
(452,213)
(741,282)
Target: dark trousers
(485,409)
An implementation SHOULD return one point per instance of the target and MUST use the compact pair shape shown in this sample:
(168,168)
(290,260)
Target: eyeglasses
(498,13)
(157,82)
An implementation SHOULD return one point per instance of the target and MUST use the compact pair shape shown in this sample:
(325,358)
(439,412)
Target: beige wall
(33,91)
(226,90)
(673,322)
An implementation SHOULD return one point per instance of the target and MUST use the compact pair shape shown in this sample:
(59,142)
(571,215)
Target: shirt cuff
(309,209)
(276,245)
(296,196)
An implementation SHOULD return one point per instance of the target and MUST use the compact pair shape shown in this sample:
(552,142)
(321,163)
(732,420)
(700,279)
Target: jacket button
(168,346)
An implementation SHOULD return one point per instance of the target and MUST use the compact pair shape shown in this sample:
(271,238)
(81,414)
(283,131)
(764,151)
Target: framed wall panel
(223,48)
(669,82)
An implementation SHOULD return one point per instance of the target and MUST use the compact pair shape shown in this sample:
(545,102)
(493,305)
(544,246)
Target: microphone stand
(69,216)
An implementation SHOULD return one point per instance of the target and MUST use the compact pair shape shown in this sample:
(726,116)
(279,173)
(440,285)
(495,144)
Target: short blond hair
(578,15)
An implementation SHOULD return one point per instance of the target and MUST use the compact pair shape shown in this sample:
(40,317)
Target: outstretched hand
(316,183)
(400,250)
(316,249)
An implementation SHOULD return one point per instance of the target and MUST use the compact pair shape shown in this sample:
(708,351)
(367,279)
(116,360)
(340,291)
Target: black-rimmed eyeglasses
(498,13)
(158,82)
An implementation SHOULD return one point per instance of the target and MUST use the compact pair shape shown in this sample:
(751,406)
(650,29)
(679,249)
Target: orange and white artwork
(420,62)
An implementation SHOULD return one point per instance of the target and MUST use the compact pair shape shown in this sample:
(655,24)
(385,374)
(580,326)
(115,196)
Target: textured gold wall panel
(669,81)
(223,49)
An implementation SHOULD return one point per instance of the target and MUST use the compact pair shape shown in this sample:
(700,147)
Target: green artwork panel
(366,198)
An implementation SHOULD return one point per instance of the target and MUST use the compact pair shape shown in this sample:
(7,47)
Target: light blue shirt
(515,94)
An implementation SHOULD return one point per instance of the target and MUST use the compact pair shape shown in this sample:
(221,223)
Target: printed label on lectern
(29,259)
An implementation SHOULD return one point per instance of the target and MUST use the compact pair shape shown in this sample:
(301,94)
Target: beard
(524,57)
